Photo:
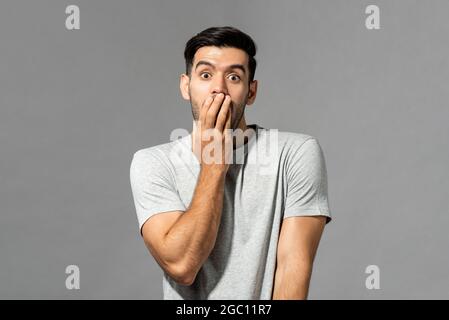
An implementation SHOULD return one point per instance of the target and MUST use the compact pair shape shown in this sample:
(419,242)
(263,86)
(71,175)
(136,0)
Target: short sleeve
(306,178)
(152,186)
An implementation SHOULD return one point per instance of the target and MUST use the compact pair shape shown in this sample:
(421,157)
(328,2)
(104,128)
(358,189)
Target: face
(220,70)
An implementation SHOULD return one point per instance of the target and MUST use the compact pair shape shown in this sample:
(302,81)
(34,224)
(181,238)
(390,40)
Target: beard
(237,111)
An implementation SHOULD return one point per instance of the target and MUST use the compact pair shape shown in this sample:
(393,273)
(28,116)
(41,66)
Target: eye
(205,73)
(235,77)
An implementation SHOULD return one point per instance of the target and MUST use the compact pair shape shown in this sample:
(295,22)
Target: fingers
(211,115)
(204,108)
(228,137)
(223,114)
(229,118)
(215,114)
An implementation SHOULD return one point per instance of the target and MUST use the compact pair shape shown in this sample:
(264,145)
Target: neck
(242,126)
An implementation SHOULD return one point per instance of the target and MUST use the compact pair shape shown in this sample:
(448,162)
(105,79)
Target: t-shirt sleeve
(306,178)
(152,186)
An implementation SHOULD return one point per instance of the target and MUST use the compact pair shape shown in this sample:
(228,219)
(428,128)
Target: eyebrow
(232,66)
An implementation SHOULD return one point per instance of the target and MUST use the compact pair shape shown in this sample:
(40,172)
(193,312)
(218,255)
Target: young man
(245,224)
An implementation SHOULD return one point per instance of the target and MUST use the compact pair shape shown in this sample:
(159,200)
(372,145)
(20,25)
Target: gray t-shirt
(275,175)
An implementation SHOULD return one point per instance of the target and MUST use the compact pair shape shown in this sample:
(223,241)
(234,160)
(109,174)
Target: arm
(181,242)
(298,243)
(187,238)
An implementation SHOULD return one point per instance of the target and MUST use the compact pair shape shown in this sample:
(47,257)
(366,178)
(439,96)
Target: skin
(219,77)
(297,246)
(182,241)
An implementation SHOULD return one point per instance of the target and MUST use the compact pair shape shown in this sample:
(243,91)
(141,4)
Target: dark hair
(222,37)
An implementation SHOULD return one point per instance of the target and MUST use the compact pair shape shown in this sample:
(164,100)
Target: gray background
(76,105)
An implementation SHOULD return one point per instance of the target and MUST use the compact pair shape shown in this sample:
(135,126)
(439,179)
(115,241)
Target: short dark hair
(222,37)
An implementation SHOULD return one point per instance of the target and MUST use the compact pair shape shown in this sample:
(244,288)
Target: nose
(219,86)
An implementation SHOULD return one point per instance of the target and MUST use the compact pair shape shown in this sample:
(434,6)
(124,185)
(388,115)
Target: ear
(184,82)
(252,92)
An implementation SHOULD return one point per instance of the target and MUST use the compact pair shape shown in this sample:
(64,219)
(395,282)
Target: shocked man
(240,220)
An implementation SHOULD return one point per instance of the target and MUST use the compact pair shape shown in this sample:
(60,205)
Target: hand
(212,143)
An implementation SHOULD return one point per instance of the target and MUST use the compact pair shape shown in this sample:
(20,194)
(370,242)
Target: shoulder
(291,142)
(163,157)
(299,151)
(150,158)
(162,152)
(146,156)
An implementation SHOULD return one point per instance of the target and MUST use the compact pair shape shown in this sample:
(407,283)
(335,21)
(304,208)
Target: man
(221,226)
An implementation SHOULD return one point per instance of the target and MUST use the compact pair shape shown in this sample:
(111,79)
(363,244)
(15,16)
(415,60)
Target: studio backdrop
(85,84)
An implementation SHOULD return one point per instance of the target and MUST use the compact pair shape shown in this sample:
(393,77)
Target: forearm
(191,239)
(292,283)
